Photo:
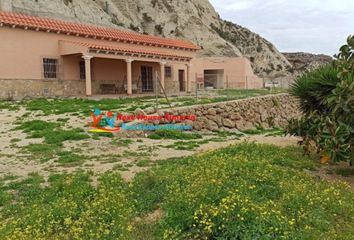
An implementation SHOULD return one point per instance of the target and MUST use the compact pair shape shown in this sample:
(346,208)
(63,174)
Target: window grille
(168,71)
(50,67)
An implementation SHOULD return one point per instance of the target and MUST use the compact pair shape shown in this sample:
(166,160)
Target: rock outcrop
(304,62)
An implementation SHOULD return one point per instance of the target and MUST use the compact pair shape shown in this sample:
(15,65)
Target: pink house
(46,57)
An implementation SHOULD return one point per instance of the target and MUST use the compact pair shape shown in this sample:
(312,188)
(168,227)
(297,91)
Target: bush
(326,98)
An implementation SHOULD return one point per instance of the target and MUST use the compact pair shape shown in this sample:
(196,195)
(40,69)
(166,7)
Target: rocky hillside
(303,62)
(195,20)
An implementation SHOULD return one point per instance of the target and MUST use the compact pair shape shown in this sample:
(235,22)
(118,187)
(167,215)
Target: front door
(146,79)
(181,80)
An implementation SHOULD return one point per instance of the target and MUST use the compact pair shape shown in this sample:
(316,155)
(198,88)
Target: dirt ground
(103,154)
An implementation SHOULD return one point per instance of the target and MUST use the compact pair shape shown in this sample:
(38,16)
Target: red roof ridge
(10,18)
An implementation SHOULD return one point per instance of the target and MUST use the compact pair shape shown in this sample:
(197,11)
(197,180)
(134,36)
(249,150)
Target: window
(168,71)
(82,70)
(50,67)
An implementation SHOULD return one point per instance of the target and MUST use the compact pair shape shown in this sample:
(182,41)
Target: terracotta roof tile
(162,53)
(92,31)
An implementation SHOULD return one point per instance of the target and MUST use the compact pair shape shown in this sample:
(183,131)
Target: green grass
(121,167)
(264,131)
(15,140)
(107,158)
(77,107)
(136,154)
(63,120)
(9,105)
(143,163)
(97,135)
(243,93)
(184,145)
(37,125)
(345,172)
(8,177)
(121,142)
(59,136)
(191,145)
(67,158)
(224,134)
(246,191)
(54,136)
(41,152)
(51,131)
(174,134)
(82,106)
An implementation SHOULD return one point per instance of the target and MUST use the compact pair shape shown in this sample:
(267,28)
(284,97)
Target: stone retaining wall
(265,111)
(17,89)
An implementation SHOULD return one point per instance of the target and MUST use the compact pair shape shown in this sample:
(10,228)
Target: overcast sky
(315,26)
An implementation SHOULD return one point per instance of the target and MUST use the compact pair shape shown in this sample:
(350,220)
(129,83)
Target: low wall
(265,111)
(17,89)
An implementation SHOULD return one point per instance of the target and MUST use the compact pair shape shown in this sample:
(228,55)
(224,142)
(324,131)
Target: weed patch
(12,106)
(242,192)
(143,163)
(67,158)
(246,191)
(51,132)
(184,145)
(42,152)
(264,131)
(174,134)
(345,172)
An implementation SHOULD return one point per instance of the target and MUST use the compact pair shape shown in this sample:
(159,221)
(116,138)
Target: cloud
(317,26)
(240,5)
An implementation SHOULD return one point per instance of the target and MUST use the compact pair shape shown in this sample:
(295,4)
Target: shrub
(327,100)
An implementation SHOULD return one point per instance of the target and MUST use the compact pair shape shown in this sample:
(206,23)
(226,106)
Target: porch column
(129,76)
(189,77)
(88,74)
(162,78)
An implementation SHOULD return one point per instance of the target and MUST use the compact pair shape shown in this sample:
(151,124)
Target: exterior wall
(238,72)
(22,52)
(26,48)
(172,85)
(70,68)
